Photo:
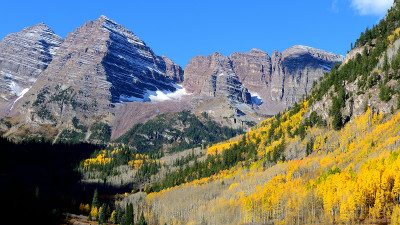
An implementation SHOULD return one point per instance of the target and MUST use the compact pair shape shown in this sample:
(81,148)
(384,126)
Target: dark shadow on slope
(38,182)
(131,72)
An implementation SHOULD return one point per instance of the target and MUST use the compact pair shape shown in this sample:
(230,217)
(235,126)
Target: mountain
(282,79)
(97,67)
(248,86)
(23,56)
(331,158)
(106,77)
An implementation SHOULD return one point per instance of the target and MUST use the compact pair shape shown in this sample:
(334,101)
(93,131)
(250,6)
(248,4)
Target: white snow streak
(21,94)
(256,99)
(157,96)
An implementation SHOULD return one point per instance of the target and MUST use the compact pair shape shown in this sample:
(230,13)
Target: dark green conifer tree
(129,214)
(95,202)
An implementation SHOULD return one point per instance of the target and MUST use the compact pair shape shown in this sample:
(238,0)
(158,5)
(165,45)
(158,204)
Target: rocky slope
(23,56)
(98,65)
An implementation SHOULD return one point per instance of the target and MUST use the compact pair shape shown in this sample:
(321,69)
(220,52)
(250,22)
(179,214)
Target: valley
(104,131)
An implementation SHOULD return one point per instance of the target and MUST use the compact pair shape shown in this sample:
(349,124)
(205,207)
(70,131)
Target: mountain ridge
(102,70)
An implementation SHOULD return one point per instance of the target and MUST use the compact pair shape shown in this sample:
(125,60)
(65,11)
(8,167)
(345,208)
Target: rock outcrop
(23,56)
(279,81)
(213,77)
(295,70)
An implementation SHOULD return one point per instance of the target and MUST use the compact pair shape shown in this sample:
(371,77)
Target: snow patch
(14,87)
(21,94)
(157,96)
(256,99)
(161,96)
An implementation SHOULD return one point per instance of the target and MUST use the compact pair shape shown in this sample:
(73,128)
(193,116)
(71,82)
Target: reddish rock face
(253,68)
(295,70)
(173,70)
(213,76)
(279,81)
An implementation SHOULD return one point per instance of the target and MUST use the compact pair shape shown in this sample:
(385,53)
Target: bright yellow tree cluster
(102,158)
(137,162)
(394,36)
(348,196)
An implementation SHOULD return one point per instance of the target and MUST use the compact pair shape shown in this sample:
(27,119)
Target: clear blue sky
(184,29)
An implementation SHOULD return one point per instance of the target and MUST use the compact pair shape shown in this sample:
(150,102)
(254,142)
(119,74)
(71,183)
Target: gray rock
(279,81)
(23,56)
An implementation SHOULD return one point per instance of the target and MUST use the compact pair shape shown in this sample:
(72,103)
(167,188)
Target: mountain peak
(103,17)
(37,28)
(24,55)
(298,50)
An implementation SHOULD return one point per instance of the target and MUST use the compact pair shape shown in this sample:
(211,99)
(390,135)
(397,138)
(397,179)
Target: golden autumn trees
(350,175)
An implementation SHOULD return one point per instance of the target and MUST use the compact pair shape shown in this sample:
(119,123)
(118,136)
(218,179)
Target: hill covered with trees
(332,158)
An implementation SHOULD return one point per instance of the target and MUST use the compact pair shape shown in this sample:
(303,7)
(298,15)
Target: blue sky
(184,29)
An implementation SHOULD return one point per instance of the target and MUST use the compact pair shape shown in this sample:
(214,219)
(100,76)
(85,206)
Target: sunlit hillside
(351,175)
(332,158)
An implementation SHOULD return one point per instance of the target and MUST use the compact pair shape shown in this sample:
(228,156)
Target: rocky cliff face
(213,76)
(295,70)
(98,65)
(273,83)
(23,56)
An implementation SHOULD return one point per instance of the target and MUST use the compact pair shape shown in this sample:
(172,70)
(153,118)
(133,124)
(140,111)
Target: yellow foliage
(94,212)
(391,38)
(354,176)
(112,215)
(84,208)
(395,220)
(137,162)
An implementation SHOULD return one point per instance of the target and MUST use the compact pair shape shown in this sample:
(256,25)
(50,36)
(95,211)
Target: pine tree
(129,214)
(102,214)
(337,121)
(118,215)
(95,202)
(398,102)
(386,65)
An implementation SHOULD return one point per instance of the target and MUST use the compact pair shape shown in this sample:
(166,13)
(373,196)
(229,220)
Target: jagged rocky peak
(23,56)
(99,64)
(108,55)
(213,77)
